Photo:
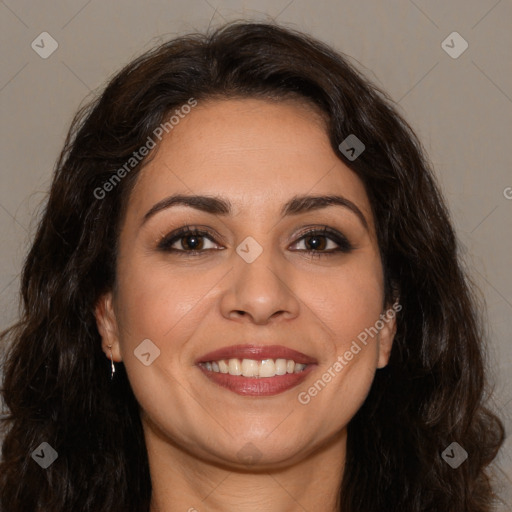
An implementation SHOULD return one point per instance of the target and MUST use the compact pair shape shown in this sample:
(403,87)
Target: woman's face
(278,266)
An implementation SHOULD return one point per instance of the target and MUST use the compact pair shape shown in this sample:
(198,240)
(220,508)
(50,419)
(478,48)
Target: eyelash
(344,246)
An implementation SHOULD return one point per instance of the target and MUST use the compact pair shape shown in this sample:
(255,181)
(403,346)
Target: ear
(387,333)
(107,326)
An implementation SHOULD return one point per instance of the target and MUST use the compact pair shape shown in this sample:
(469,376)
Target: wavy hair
(56,384)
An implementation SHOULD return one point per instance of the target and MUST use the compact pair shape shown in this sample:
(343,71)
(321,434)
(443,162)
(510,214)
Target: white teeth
(280,366)
(267,368)
(234,367)
(254,368)
(250,368)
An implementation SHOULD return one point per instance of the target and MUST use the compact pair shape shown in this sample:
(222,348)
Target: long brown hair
(56,383)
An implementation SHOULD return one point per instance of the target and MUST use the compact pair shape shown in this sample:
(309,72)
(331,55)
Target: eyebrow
(218,206)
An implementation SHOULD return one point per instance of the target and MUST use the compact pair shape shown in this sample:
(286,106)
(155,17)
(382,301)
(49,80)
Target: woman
(245,294)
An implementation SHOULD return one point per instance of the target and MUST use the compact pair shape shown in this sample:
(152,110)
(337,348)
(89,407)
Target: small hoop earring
(113,370)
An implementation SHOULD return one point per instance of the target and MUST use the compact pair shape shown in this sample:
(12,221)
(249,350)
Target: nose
(259,292)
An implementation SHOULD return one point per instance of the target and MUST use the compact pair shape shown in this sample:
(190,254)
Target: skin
(256,154)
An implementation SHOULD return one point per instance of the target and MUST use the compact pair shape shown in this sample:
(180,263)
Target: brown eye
(315,242)
(324,241)
(192,242)
(188,241)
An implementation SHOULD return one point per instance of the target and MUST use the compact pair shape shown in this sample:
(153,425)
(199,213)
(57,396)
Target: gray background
(460,107)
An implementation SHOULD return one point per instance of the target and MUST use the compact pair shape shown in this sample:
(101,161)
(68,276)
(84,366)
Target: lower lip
(258,386)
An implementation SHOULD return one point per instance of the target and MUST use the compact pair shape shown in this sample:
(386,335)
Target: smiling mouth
(255,378)
(253,368)
(256,370)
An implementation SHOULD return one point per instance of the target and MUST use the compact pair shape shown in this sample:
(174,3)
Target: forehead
(257,153)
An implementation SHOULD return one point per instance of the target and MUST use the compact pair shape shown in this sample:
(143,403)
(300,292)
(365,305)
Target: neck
(181,481)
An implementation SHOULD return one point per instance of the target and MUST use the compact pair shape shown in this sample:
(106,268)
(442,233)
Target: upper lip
(256,352)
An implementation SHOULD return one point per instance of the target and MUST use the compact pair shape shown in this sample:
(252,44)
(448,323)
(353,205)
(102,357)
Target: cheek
(159,304)
(166,306)
(158,301)
(348,301)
